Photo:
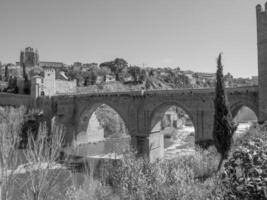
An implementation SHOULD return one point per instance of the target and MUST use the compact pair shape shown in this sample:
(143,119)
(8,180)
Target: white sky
(161,33)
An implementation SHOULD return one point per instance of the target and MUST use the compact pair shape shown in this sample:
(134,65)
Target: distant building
(110,78)
(3,85)
(10,70)
(56,65)
(100,79)
(28,59)
(128,79)
(89,66)
(254,80)
(48,85)
(77,66)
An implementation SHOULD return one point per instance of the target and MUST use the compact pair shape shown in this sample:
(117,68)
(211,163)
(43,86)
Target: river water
(176,142)
(182,142)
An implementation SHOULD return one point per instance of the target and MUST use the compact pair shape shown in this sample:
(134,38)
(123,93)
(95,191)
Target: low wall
(16,100)
(65,86)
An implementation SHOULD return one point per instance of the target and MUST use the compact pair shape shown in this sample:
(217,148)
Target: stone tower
(49,81)
(262,60)
(28,59)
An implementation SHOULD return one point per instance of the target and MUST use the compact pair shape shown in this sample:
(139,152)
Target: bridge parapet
(158,92)
(16,100)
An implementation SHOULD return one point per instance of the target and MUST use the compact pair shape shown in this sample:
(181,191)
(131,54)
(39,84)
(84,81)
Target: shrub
(245,173)
(168,179)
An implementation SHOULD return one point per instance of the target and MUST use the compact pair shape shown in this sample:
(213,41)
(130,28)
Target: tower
(262,61)
(49,81)
(28,59)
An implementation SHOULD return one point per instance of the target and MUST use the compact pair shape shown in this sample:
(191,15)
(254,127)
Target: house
(87,66)
(128,79)
(100,79)
(110,78)
(56,65)
(49,85)
(254,80)
(3,85)
(77,66)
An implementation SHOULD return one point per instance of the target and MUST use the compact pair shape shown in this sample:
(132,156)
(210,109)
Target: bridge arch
(160,109)
(84,116)
(236,106)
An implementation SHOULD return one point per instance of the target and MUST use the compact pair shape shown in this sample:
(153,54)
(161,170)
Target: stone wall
(65,86)
(16,100)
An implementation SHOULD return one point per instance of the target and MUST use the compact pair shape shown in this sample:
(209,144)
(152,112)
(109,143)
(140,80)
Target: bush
(180,178)
(245,173)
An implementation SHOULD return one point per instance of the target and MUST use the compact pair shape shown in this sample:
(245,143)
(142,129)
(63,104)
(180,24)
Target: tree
(135,72)
(89,78)
(10,128)
(6,73)
(224,127)
(116,67)
(27,85)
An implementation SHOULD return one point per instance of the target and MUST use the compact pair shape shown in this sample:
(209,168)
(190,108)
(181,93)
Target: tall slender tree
(224,127)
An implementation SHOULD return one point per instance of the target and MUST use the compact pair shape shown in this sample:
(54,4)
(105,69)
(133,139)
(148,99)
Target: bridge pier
(151,146)
(204,127)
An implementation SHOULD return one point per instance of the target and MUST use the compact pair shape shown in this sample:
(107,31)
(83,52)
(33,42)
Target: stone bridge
(141,111)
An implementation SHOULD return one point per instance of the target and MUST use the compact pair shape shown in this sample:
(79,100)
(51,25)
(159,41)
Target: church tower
(262,61)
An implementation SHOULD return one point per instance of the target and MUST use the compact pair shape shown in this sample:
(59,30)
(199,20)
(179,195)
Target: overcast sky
(161,33)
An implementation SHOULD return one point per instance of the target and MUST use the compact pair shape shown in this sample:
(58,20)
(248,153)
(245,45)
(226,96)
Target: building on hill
(56,65)
(110,78)
(3,85)
(77,66)
(88,66)
(206,76)
(9,70)
(127,79)
(28,59)
(48,85)
(100,79)
(254,80)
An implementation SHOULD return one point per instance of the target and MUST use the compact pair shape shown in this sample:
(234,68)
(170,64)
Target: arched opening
(245,117)
(177,128)
(101,132)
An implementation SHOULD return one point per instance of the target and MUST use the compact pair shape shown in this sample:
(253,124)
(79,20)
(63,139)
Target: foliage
(245,173)
(187,177)
(168,179)
(116,66)
(43,173)
(223,128)
(135,72)
(10,126)
(6,73)
(27,85)
(90,78)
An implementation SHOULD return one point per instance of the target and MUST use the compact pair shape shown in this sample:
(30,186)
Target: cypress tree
(224,127)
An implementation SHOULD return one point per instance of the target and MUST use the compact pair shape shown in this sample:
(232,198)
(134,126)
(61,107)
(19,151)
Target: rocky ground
(182,141)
